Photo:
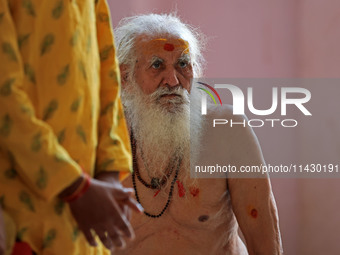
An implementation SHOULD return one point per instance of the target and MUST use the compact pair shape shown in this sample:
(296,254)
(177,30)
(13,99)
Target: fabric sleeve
(114,152)
(41,162)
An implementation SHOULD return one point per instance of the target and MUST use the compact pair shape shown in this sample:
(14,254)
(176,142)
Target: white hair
(154,25)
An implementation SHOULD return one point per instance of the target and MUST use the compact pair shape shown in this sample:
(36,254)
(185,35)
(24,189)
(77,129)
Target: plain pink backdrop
(282,39)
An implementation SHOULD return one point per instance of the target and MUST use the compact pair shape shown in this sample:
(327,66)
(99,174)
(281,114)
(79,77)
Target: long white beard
(161,126)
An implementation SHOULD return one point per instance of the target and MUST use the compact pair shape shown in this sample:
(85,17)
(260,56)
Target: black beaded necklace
(156,183)
(152,185)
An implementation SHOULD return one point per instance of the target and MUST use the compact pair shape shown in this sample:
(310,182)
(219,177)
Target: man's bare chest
(198,206)
(195,213)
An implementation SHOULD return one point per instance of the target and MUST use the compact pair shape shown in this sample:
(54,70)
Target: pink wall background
(281,38)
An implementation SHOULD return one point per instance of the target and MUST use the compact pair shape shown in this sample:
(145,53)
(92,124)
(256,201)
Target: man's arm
(113,151)
(113,155)
(252,198)
(42,163)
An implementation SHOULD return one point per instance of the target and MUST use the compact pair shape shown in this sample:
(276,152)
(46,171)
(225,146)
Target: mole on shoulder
(203,218)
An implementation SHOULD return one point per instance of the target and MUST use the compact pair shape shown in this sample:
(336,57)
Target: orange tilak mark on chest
(181,189)
(253,213)
(169,47)
(194,191)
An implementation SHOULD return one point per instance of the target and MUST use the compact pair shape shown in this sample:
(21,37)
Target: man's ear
(123,74)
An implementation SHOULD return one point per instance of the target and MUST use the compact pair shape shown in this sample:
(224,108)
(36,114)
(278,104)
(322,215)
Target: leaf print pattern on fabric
(113,75)
(6,125)
(29,73)
(46,44)
(50,109)
(105,52)
(75,234)
(108,107)
(11,173)
(27,4)
(64,74)
(27,110)
(119,117)
(21,232)
(82,69)
(9,51)
(75,104)
(6,88)
(115,142)
(42,179)
(59,207)
(74,38)
(106,163)
(58,9)
(61,136)
(103,17)
(81,133)
(36,143)
(25,198)
(49,238)
(22,39)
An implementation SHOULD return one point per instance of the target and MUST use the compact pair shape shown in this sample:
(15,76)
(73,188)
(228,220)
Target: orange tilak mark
(253,213)
(169,47)
(171,44)
(181,189)
(194,191)
(160,39)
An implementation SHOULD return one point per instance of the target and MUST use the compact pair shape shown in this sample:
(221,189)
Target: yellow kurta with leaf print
(60,112)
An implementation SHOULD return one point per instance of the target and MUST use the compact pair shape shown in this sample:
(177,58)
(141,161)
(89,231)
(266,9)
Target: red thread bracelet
(79,192)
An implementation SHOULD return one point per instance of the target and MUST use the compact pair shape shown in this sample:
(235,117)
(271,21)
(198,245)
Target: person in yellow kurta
(60,114)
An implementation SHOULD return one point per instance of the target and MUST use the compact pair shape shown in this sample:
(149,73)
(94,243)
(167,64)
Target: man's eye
(156,65)
(183,64)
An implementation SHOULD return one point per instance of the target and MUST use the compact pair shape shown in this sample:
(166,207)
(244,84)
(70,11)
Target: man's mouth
(169,96)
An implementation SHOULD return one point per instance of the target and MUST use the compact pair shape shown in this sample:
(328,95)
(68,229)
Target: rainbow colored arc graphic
(209,93)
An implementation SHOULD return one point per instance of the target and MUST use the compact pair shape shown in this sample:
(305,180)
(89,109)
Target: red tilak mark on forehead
(169,47)
(253,213)
(194,191)
(156,193)
(181,189)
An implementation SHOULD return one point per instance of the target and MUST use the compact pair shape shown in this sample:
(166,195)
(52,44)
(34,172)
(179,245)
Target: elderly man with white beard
(159,55)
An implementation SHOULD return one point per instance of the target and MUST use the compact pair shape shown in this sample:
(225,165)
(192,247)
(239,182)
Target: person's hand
(2,235)
(113,178)
(99,209)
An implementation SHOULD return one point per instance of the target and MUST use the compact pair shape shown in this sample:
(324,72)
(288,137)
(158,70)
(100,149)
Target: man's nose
(170,78)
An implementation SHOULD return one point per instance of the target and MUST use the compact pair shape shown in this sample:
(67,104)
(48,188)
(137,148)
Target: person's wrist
(78,189)
(108,176)
(72,188)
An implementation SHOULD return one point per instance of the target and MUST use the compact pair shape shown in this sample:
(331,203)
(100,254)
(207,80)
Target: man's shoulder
(228,132)
(224,111)
(222,117)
